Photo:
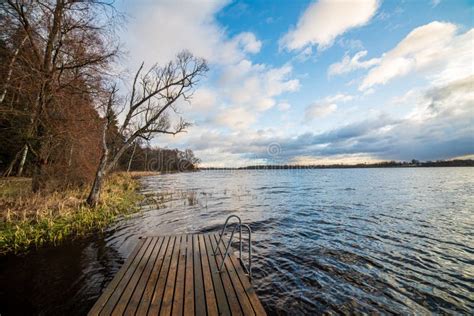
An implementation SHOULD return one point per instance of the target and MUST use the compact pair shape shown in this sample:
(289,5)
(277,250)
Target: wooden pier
(179,275)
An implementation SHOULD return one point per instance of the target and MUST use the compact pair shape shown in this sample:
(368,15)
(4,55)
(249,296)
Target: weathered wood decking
(178,275)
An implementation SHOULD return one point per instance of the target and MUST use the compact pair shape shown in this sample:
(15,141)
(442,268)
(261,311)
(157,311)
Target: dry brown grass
(28,219)
(18,203)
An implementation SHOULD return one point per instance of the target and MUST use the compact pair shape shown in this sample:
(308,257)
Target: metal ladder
(238,226)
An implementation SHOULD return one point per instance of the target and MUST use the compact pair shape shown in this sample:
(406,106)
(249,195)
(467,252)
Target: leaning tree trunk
(94,195)
(131,157)
(11,165)
(24,154)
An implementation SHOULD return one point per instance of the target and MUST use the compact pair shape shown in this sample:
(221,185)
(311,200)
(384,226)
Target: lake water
(333,240)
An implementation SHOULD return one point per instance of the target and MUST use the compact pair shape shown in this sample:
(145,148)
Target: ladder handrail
(238,225)
(249,270)
(227,249)
(223,231)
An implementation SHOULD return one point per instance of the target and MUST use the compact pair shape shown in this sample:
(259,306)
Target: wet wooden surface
(178,275)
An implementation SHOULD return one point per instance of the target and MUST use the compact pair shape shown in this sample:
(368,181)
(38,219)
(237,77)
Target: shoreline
(30,221)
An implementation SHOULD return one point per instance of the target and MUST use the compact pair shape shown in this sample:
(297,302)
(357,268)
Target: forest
(75,121)
(64,121)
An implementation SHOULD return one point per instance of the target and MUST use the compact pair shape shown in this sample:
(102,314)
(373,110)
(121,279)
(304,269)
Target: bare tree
(155,95)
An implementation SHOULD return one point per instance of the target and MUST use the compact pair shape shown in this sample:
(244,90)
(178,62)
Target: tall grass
(30,220)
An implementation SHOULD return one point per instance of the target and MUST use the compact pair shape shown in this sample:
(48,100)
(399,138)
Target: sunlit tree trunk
(24,154)
(94,194)
(131,157)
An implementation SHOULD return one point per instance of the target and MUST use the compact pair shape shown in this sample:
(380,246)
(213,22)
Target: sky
(316,82)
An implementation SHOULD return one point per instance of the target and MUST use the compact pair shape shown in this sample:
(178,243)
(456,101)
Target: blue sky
(316,81)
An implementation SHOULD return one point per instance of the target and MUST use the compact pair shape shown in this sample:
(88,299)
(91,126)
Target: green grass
(30,221)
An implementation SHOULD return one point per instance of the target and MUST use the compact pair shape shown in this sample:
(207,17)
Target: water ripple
(368,241)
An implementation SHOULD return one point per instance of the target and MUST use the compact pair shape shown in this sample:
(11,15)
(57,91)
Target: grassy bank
(30,220)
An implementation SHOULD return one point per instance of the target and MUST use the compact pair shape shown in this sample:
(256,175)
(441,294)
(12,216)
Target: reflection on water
(351,240)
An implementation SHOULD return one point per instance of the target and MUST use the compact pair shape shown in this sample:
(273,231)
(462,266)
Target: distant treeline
(138,158)
(386,164)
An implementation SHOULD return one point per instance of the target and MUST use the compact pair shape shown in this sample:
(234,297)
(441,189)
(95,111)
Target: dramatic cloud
(433,48)
(324,20)
(440,126)
(243,106)
(349,64)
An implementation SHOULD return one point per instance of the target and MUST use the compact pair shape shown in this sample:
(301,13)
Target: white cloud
(324,20)
(433,49)
(158,31)
(351,44)
(203,99)
(340,97)
(236,118)
(440,126)
(326,106)
(277,81)
(349,64)
(238,89)
(453,99)
(256,86)
(434,3)
(318,110)
(249,42)
(284,106)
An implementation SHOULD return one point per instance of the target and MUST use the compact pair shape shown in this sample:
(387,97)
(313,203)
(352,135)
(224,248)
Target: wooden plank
(167,303)
(199,296)
(132,283)
(189,283)
(254,300)
(157,297)
(207,278)
(178,299)
(228,288)
(239,290)
(141,286)
(222,304)
(115,297)
(179,275)
(151,282)
(95,310)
